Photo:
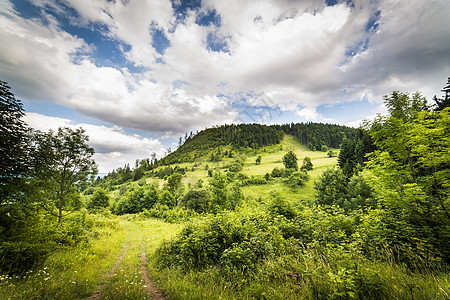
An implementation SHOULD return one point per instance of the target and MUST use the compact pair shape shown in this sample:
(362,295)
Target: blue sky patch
(182,8)
(159,40)
(372,24)
(207,19)
(216,43)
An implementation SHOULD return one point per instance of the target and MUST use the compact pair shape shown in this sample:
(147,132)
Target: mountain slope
(234,137)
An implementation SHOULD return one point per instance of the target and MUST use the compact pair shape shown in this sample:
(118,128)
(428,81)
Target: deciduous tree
(69,164)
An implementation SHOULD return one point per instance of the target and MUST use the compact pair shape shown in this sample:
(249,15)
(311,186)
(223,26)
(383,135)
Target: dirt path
(132,259)
(154,291)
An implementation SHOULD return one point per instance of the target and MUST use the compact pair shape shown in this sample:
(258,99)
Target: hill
(211,141)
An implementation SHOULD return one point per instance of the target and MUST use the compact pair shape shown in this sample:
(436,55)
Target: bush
(99,199)
(277,172)
(231,240)
(197,200)
(290,160)
(298,179)
(31,239)
(174,215)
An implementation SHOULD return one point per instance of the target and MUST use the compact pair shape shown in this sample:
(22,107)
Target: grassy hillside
(271,157)
(215,141)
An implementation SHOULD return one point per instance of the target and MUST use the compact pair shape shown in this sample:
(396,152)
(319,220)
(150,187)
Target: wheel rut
(132,242)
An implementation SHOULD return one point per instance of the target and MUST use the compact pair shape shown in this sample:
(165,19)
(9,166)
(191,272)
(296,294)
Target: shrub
(230,240)
(298,179)
(99,199)
(197,200)
(277,172)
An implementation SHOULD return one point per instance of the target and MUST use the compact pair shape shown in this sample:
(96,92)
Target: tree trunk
(60,207)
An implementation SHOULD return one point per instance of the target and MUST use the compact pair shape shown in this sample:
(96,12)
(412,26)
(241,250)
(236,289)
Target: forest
(241,211)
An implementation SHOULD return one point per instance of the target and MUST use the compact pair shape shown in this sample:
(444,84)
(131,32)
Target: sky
(139,74)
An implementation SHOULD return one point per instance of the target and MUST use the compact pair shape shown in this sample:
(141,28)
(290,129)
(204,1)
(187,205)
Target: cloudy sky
(138,74)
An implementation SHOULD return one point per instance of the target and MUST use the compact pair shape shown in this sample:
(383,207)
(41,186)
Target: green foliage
(277,172)
(334,188)
(14,148)
(167,198)
(290,160)
(317,135)
(237,136)
(330,153)
(140,198)
(442,103)
(254,136)
(174,182)
(347,158)
(410,173)
(258,160)
(31,239)
(170,215)
(307,164)
(100,199)
(165,172)
(232,240)
(223,195)
(68,164)
(298,179)
(196,200)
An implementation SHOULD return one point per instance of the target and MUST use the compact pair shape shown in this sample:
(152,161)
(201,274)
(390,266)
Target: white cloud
(310,113)
(294,52)
(46,54)
(113,146)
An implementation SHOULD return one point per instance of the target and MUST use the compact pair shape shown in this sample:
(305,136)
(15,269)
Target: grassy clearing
(109,266)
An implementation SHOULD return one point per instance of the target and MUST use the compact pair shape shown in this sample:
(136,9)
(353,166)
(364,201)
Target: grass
(271,158)
(109,265)
(314,279)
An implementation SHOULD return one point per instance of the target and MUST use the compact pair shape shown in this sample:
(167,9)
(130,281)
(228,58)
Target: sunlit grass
(110,264)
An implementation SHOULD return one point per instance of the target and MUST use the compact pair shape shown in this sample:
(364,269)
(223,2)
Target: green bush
(99,199)
(298,179)
(174,215)
(220,240)
(197,200)
(31,239)
(277,172)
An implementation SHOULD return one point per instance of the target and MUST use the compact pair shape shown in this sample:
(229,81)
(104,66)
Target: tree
(197,200)
(334,188)
(290,160)
(219,195)
(14,148)
(346,157)
(258,160)
(307,164)
(410,172)
(69,164)
(441,103)
(174,182)
(99,199)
